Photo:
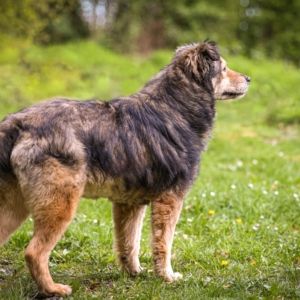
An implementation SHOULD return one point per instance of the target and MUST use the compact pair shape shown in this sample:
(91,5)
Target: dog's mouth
(232,95)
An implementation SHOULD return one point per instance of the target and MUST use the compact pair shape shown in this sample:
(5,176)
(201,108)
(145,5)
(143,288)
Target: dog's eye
(224,69)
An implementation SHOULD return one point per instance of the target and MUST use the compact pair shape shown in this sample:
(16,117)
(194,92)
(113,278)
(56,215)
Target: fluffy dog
(136,150)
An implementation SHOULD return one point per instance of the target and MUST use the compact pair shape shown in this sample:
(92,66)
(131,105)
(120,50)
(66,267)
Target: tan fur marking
(12,210)
(165,213)
(51,218)
(229,81)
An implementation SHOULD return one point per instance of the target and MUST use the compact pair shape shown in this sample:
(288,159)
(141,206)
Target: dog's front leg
(165,213)
(128,221)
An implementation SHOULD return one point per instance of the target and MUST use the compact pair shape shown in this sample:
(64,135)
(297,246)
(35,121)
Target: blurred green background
(239,234)
(91,48)
(251,27)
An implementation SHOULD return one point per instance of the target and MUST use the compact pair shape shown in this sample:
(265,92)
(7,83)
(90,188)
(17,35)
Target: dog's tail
(9,133)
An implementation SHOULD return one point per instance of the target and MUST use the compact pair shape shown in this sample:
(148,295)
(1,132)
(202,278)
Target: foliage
(272,26)
(42,21)
(154,24)
(246,26)
(238,236)
(251,27)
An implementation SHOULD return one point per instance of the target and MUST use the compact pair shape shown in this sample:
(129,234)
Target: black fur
(7,141)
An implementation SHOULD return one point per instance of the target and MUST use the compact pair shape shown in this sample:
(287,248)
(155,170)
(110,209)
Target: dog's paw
(133,270)
(57,289)
(171,277)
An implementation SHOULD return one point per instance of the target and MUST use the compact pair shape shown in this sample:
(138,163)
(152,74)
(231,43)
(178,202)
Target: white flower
(280,154)
(295,196)
(233,186)
(276,193)
(254,161)
(65,252)
(203,195)
(95,221)
(213,194)
(255,227)
(232,167)
(185,236)
(239,163)
(207,279)
(264,192)
(250,185)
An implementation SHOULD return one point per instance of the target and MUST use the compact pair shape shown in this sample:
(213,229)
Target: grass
(238,236)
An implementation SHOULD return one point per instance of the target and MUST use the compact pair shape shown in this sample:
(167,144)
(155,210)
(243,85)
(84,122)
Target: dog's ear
(207,54)
(197,59)
(209,51)
(186,57)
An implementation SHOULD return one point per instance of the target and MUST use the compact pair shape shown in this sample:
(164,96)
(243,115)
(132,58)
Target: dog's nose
(248,79)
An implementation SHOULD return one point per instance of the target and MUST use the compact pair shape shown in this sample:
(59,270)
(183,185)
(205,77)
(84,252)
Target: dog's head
(203,64)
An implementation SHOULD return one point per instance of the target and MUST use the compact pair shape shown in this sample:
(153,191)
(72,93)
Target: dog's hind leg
(52,192)
(12,213)
(128,220)
(165,213)
(51,219)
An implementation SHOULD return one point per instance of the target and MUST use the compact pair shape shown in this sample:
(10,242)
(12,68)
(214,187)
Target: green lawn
(238,236)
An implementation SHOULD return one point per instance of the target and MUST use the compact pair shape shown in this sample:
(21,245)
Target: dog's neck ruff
(193,102)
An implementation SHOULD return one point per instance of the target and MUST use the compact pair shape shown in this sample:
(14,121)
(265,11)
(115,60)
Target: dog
(139,150)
